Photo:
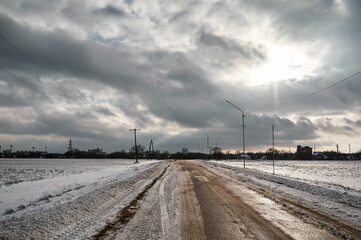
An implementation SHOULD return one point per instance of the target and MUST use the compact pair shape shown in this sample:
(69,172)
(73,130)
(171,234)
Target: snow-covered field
(13,171)
(27,183)
(77,198)
(343,173)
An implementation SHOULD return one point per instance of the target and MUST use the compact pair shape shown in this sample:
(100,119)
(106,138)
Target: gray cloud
(347,127)
(157,66)
(228,51)
(111,10)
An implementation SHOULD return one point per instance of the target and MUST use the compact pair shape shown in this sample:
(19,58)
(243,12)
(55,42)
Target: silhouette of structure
(184,150)
(303,153)
(70,148)
(243,127)
(135,141)
(151,149)
(207,142)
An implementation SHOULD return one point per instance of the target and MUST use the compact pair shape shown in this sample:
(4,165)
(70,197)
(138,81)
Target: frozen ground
(117,199)
(343,173)
(335,200)
(13,171)
(84,205)
(38,182)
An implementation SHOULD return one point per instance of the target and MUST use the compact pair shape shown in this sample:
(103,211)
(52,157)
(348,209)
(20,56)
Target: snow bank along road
(194,200)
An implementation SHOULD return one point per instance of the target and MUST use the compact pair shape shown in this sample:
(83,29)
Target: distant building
(7,153)
(97,151)
(303,153)
(184,150)
(320,156)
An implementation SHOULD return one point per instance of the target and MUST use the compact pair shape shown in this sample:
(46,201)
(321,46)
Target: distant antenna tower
(151,149)
(70,148)
(337,146)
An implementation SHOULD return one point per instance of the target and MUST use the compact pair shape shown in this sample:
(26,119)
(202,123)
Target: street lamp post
(273,147)
(243,126)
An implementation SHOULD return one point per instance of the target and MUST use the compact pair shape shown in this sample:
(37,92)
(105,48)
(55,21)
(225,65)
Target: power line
(36,90)
(229,129)
(37,66)
(31,74)
(40,69)
(314,93)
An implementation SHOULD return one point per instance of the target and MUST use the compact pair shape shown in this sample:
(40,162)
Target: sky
(92,70)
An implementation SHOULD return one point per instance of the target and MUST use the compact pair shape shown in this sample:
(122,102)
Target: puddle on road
(290,224)
(202,178)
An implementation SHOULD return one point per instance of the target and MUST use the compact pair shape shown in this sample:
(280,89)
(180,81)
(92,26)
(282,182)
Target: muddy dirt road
(214,206)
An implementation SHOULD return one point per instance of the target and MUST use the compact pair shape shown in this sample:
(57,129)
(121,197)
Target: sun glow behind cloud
(284,62)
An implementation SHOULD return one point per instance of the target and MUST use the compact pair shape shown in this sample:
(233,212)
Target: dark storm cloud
(11,96)
(258,133)
(228,50)
(40,123)
(346,127)
(179,87)
(17,91)
(180,84)
(111,10)
(59,52)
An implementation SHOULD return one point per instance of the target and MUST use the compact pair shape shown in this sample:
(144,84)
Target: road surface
(182,200)
(214,207)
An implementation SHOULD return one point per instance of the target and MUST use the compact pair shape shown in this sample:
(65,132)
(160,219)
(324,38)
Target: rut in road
(223,215)
(126,214)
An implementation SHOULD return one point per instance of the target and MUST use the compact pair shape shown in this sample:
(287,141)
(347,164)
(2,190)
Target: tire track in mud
(126,214)
(163,205)
(222,211)
(229,210)
(337,227)
(86,226)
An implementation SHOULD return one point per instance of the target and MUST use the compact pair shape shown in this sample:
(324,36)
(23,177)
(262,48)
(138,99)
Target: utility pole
(273,147)
(135,142)
(289,151)
(207,141)
(11,148)
(243,127)
(198,147)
